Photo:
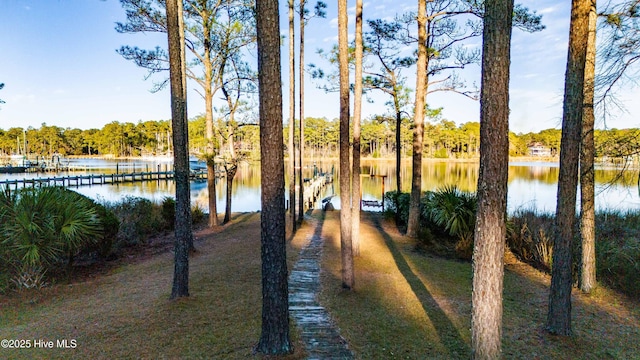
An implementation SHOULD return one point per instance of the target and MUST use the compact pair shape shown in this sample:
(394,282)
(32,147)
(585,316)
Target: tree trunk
(559,316)
(179,122)
(231,173)
(301,128)
(490,227)
(274,338)
(418,120)
(587,194)
(346,249)
(210,153)
(357,114)
(292,117)
(398,144)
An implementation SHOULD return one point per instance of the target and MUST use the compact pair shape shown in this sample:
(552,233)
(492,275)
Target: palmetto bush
(447,214)
(41,228)
(453,211)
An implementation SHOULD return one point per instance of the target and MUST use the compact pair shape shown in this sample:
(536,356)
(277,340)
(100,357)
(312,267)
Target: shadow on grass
(447,331)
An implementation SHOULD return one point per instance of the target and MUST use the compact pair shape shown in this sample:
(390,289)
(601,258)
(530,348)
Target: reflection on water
(531,185)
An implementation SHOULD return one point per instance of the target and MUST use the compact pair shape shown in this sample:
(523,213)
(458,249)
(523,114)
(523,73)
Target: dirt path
(319,333)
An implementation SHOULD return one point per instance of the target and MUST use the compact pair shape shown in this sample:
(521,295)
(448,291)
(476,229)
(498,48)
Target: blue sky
(60,67)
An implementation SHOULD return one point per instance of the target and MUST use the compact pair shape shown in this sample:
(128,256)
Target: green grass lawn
(406,305)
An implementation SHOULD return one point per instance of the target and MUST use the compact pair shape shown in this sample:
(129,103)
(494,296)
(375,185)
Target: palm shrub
(454,212)
(42,227)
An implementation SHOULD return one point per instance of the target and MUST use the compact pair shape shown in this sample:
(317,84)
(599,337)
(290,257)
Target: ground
(405,304)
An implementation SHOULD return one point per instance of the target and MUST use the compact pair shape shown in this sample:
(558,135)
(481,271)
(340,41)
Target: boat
(10,169)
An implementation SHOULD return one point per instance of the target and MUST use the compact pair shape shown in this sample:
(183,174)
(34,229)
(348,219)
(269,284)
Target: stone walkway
(319,334)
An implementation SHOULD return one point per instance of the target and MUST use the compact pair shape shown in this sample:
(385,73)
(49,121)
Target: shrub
(530,237)
(453,211)
(139,219)
(41,227)
(397,204)
(103,247)
(169,212)
(197,214)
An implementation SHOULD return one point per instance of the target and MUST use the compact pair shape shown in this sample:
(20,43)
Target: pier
(95,179)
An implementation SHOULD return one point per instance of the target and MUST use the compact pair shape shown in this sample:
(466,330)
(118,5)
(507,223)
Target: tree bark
(587,151)
(183,233)
(292,120)
(559,315)
(231,173)
(274,338)
(357,114)
(413,224)
(301,105)
(490,231)
(346,249)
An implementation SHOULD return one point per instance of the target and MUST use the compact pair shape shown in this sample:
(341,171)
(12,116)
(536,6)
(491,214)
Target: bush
(197,214)
(169,212)
(447,215)
(530,238)
(111,226)
(397,205)
(139,219)
(41,228)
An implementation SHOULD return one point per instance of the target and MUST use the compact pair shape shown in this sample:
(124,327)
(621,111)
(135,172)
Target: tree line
(442,139)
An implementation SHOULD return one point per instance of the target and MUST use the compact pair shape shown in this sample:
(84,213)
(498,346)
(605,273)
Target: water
(531,184)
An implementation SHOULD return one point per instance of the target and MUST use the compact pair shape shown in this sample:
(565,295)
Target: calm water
(531,185)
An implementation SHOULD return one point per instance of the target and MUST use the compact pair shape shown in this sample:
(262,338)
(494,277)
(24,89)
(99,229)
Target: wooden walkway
(318,331)
(94,179)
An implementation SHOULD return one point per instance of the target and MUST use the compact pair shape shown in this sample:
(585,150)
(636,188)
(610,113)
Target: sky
(59,64)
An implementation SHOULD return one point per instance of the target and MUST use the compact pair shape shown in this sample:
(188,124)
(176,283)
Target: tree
(444,54)
(304,19)
(490,227)
(292,117)
(346,249)
(620,49)
(418,122)
(213,35)
(587,151)
(357,114)
(382,44)
(183,232)
(1,87)
(274,338)
(559,315)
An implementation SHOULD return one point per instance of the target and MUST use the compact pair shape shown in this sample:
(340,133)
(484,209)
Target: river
(531,184)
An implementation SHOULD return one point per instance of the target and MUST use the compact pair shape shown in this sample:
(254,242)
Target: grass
(127,314)
(406,305)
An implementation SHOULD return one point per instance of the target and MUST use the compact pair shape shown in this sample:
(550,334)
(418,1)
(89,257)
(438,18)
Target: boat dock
(94,179)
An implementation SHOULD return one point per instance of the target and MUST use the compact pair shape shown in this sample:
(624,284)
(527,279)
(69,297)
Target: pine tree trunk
(587,151)
(183,232)
(559,315)
(301,128)
(490,229)
(292,120)
(274,338)
(345,171)
(357,114)
(231,173)
(418,122)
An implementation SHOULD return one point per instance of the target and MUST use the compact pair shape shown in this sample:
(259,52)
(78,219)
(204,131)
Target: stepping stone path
(319,334)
